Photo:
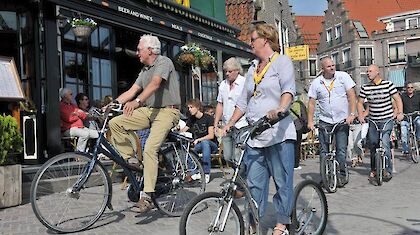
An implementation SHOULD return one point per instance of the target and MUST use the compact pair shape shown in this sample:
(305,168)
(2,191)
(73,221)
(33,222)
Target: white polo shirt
(228,98)
(333,104)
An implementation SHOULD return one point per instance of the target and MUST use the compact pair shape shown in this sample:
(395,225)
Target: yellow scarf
(258,77)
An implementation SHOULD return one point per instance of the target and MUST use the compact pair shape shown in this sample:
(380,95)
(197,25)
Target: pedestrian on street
(269,89)
(379,94)
(230,90)
(334,91)
(151,102)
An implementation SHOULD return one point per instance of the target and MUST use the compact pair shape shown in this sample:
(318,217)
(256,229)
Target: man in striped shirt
(379,95)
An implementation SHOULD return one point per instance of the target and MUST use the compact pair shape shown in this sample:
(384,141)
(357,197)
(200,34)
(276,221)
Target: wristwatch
(138,100)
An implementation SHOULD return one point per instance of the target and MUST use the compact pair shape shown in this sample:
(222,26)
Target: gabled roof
(240,14)
(310,27)
(368,11)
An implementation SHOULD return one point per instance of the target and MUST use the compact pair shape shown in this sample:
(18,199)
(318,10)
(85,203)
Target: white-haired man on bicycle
(151,102)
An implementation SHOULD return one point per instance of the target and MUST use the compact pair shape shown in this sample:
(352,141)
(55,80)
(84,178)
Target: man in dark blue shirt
(411,103)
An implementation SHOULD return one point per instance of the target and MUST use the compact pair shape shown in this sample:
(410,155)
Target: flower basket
(82,31)
(193,55)
(82,27)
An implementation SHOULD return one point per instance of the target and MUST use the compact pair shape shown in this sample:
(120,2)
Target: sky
(308,7)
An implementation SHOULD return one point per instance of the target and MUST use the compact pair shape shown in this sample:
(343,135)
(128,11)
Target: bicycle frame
(381,149)
(103,146)
(229,190)
(411,124)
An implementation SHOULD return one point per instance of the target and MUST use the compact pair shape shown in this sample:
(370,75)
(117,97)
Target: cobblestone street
(359,208)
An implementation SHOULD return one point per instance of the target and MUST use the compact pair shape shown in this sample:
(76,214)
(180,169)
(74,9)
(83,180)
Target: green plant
(83,22)
(10,138)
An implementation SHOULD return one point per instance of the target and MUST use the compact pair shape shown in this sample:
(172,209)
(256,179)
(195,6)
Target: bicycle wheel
(379,169)
(328,176)
(179,188)
(53,200)
(310,213)
(201,216)
(414,149)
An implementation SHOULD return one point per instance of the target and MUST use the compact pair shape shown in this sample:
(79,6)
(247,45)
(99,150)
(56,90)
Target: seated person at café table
(201,126)
(82,101)
(72,121)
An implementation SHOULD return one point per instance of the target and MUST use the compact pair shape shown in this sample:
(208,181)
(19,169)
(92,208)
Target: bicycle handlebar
(341,123)
(412,114)
(376,123)
(264,123)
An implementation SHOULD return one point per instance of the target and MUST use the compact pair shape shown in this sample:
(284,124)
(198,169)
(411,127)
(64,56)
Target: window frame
(398,61)
(366,59)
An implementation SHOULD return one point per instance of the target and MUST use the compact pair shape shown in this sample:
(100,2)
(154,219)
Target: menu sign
(10,86)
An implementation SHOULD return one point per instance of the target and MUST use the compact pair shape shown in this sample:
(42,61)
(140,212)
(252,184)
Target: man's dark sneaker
(387,176)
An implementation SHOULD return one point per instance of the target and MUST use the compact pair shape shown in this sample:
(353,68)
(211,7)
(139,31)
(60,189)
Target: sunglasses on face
(254,39)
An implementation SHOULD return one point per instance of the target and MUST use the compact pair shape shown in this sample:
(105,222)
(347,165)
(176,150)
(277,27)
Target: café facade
(48,56)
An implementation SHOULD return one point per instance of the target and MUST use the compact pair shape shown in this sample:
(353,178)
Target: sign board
(10,86)
(298,52)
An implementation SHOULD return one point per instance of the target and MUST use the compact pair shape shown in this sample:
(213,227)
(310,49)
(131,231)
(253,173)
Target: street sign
(298,52)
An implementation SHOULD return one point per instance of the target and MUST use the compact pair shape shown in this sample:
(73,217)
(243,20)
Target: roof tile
(357,10)
(310,27)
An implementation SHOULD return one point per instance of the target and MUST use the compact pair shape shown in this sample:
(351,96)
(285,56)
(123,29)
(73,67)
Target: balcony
(414,61)
(366,62)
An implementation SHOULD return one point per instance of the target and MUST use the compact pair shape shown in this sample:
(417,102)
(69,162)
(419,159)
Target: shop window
(8,21)
(209,87)
(101,78)
(87,63)
(75,71)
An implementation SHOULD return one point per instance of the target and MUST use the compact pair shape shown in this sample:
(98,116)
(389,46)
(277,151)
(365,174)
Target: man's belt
(172,107)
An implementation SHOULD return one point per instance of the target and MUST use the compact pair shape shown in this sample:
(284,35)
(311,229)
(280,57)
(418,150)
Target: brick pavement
(359,208)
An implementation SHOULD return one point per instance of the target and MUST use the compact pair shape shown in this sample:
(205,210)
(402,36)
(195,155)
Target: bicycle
(218,212)
(380,156)
(329,164)
(85,189)
(413,147)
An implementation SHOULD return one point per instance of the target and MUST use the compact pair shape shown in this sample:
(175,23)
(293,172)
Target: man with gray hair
(151,102)
(229,91)
(72,121)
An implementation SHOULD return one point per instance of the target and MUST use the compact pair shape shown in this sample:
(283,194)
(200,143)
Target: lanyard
(330,87)
(258,77)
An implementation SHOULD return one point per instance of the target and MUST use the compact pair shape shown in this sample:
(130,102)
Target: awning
(397,77)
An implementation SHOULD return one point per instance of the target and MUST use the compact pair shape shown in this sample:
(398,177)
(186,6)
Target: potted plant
(11,144)
(193,55)
(83,27)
